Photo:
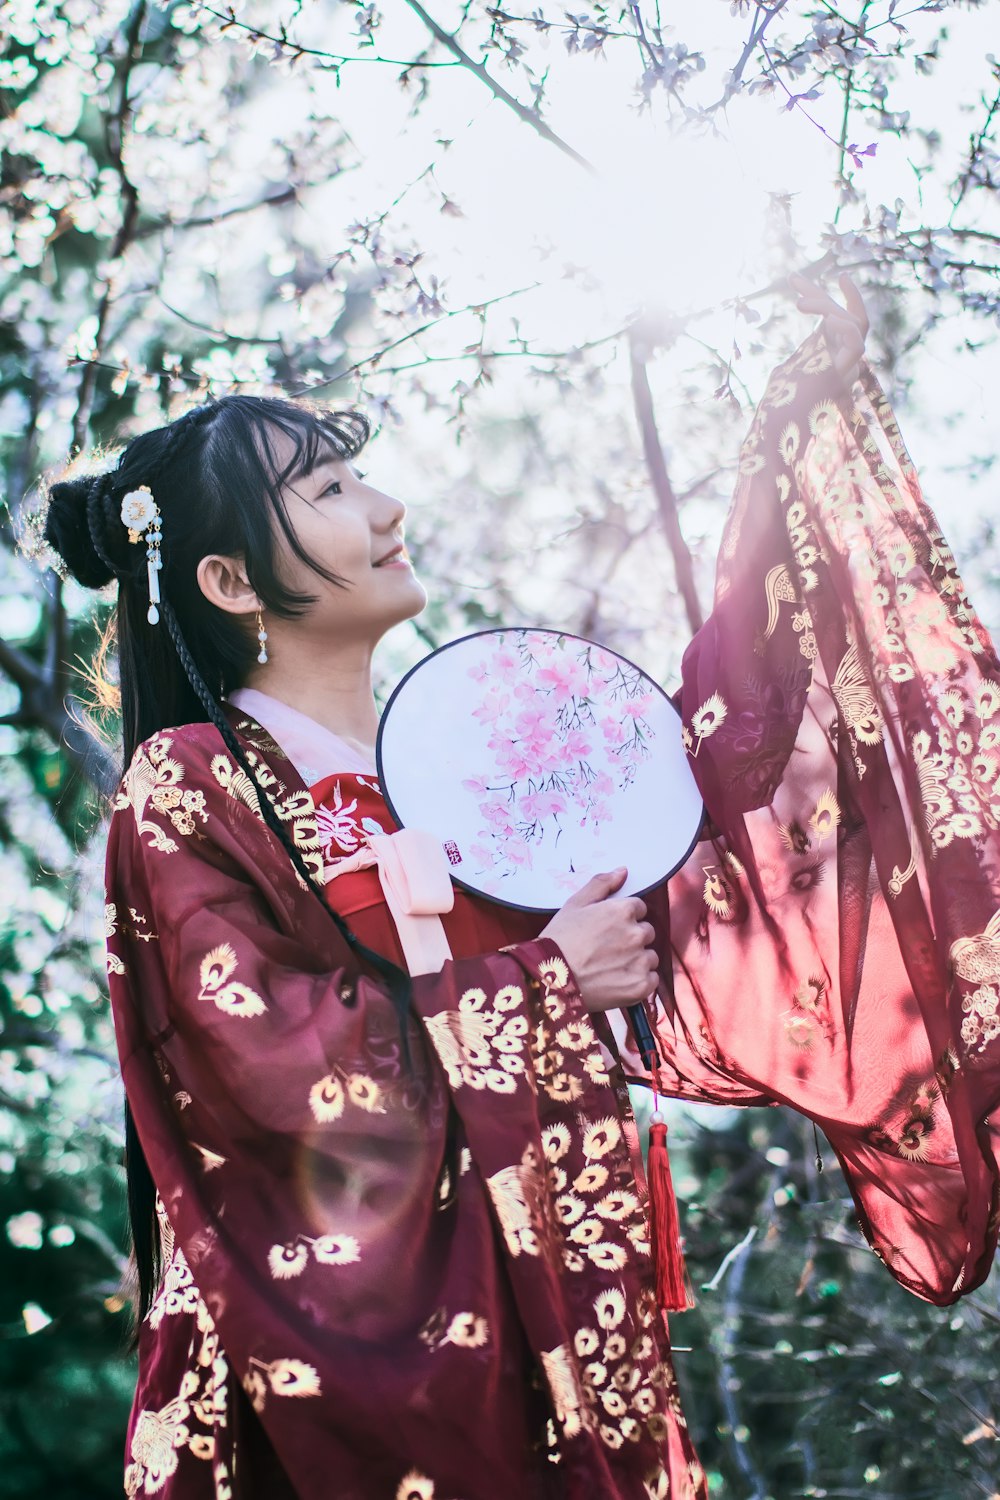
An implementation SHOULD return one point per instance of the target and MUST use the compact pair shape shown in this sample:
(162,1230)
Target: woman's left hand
(844,328)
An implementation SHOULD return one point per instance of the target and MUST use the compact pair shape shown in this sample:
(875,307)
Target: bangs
(315,434)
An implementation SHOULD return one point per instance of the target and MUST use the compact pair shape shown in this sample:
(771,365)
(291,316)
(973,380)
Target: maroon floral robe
(436,1285)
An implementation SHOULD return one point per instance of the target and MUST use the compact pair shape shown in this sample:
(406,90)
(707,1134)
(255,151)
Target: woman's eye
(333,488)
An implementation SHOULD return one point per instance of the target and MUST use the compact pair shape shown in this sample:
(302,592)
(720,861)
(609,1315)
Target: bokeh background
(545,250)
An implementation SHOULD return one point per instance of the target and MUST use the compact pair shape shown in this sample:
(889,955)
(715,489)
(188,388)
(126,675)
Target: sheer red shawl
(836,943)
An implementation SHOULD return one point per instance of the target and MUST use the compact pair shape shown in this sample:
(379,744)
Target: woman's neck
(338,695)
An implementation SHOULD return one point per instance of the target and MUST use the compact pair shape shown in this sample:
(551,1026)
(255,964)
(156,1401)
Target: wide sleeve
(302,1167)
(835,937)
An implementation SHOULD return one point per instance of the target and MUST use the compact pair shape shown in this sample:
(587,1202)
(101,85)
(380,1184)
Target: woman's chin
(413,604)
(419,599)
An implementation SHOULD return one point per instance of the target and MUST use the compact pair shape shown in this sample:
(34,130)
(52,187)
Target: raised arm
(834,941)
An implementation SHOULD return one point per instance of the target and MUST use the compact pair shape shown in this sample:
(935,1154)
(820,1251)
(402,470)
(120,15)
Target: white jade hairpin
(141,515)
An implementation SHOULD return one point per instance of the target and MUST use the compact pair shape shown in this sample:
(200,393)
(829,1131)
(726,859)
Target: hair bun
(76,509)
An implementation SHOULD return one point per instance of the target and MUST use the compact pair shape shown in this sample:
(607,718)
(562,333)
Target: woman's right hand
(607,944)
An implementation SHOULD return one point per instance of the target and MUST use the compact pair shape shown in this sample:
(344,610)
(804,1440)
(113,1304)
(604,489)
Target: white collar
(313,750)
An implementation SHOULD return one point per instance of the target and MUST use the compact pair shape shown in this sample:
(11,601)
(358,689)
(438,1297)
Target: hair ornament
(141,515)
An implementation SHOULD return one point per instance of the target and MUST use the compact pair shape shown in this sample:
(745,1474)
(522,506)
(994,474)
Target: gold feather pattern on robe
(516,1192)
(564,1384)
(977,959)
(856,700)
(778,590)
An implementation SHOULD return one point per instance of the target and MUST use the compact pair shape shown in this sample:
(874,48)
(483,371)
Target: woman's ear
(224,582)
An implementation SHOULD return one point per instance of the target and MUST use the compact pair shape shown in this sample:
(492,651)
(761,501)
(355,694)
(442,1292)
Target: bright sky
(672,220)
(675,221)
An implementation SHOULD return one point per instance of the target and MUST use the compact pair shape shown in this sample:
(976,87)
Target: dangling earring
(262,637)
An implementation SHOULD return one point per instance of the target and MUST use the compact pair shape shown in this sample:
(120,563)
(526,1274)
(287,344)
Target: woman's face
(356,532)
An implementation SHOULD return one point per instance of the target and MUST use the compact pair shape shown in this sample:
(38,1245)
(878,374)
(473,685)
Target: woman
(389,1229)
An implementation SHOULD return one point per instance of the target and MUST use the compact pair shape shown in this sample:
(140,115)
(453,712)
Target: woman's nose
(390,511)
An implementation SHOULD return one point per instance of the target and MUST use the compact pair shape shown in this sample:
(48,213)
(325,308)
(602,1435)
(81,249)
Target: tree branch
(231,22)
(727,1385)
(975,146)
(845,122)
(201,221)
(761,21)
(43,708)
(43,688)
(373,359)
(116,128)
(22,669)
(666,498)
(220,335)
(529,116)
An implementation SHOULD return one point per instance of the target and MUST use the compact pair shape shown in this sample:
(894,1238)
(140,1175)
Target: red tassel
(673,1286)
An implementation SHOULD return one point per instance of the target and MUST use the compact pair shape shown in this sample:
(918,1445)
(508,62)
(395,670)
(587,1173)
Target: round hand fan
(539,759)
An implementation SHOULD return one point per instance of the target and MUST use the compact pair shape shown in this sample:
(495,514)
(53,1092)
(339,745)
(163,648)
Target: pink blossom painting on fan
(549,752)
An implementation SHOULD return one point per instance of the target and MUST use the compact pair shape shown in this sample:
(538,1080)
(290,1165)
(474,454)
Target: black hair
(216,479)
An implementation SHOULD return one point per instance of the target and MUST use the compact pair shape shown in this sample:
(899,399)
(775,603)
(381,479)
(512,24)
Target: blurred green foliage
(65,1380)
(807,1371)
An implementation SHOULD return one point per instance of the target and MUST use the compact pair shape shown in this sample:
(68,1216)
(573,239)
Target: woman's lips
(395,559)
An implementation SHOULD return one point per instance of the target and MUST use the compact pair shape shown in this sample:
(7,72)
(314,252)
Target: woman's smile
(397,558)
